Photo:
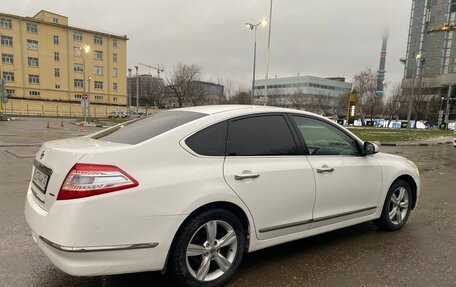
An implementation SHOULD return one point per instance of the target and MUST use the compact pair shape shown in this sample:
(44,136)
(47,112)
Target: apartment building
(45,59)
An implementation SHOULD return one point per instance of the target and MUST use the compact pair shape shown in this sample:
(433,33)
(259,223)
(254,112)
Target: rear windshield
(138,131)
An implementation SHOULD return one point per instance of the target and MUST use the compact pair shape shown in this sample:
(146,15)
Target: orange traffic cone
(61,124)
(81,127)
(48,125)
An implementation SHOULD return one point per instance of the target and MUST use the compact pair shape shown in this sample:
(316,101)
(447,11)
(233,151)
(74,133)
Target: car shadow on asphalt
(256,266)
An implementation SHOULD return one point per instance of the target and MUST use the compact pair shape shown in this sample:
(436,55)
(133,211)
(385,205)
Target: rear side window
(260,136)
(210,141)
(147,128)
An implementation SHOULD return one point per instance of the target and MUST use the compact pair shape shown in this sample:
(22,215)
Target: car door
(266,168)
(348,184)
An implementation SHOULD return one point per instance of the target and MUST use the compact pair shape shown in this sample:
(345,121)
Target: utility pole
(137,90)
(267,56)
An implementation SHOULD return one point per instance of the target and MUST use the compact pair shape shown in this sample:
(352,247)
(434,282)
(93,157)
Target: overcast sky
(320,37)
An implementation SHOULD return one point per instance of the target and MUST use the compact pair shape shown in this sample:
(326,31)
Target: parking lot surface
(423,253)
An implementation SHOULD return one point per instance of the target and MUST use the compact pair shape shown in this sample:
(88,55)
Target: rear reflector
(86,180)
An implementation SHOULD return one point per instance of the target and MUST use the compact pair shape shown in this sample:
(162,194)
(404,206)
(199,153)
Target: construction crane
(157,68)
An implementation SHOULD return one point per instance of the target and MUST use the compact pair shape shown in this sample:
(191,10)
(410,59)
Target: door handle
(246,176)
(325,169)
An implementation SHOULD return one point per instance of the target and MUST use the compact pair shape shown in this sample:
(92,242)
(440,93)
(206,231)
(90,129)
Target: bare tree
(394,102)
(299,100)
(242,97)
(183,83)
(365,84)
(152,91)
(325,103)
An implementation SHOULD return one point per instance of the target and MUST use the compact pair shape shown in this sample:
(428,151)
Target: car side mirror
(370,148)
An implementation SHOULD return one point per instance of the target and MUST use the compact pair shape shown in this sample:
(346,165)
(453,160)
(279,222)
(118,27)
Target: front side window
(324,139)
(210,141)
(261,136)
(7,40)
(32,28)
(7,59)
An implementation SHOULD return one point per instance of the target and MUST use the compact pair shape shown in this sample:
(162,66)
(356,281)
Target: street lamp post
(447,110)
(88,100)
(84,51)
(267,57)
(137,90)
(253,27)
(129,92)
(419,60)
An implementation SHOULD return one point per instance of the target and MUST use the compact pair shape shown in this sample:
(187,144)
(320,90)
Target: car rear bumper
(82,242)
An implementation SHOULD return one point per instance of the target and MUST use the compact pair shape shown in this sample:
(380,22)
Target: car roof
(215,109)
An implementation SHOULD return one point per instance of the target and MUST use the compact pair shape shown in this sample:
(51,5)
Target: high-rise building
(430,63)
(46,60)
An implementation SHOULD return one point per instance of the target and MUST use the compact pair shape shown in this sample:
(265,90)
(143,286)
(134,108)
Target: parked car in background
(114,115)
(191,190)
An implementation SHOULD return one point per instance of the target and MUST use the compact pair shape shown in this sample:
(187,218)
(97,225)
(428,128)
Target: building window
(114,57)
(7,40)
(56,40)
(114,87)
(77,36)
(98,70)
(34,79)
(55,20)
(98,98)
(114,72)
(10,91)
(56,56)
(7,59)
(32,28)
(6,23)
(98,85)
(34,93)
(8,76)
(77,96)
(33,62)
(78,68)
(97,40)
(98,55)
(114,43)
(57,87)
(57,72)
(114,99)
(32,44)
(78,83)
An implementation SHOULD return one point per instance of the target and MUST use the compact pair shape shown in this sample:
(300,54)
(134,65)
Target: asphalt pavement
(423,253)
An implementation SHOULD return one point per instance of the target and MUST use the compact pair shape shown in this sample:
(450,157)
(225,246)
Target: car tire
(397,207)
(208,249)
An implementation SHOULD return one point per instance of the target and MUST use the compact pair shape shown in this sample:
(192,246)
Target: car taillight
(85,180)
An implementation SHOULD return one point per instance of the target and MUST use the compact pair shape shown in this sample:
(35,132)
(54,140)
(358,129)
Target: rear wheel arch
(412,184)
(229,206)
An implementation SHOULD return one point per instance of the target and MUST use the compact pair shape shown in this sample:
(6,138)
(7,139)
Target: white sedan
(189,191)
